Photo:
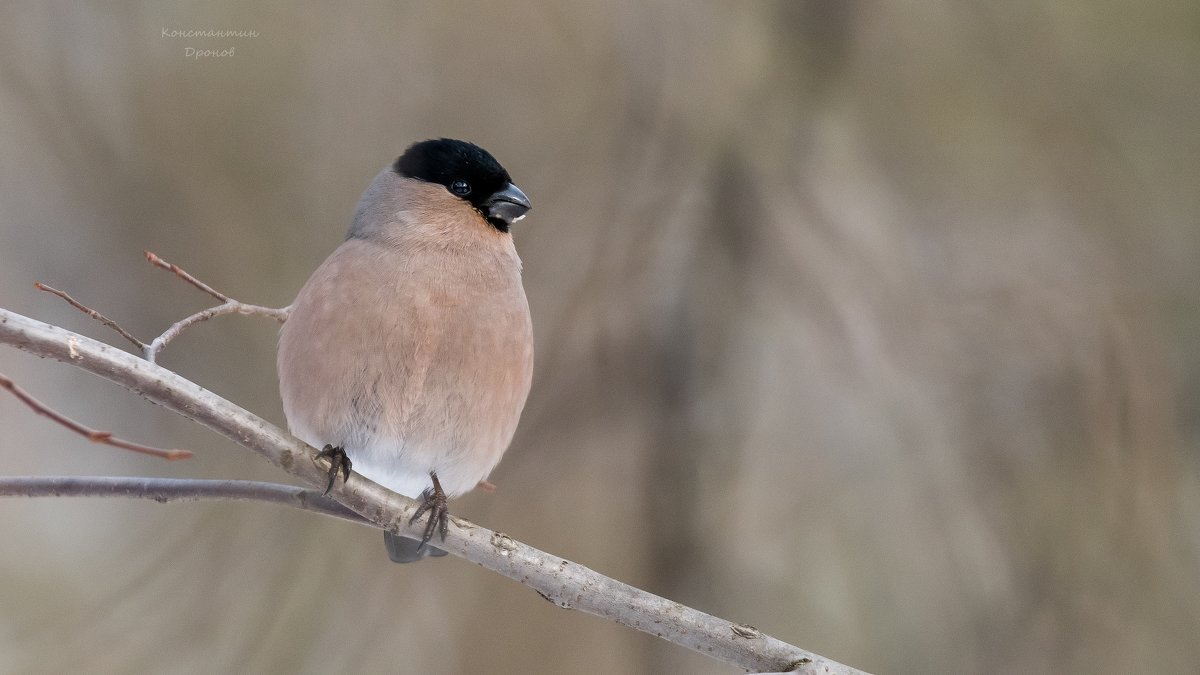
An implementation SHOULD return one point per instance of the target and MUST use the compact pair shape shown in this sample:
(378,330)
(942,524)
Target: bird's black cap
(465,169)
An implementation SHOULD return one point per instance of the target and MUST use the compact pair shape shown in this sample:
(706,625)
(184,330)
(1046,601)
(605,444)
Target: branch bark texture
(564,583)
(163,490)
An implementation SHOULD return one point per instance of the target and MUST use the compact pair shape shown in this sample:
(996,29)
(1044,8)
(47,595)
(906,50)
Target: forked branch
(228,306)
(151,350)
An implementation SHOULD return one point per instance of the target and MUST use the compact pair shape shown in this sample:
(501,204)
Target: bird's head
(468,172)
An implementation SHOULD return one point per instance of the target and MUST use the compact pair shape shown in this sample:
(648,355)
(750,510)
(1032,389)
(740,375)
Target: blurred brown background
(871,325)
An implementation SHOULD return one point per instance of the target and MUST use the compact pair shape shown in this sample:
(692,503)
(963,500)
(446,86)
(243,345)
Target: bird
(408,354)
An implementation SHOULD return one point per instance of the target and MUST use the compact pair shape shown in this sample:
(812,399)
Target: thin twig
(104,437)
(92,313)
(565,583)
(179,272)
(150,351)
(228,306)
(176,490)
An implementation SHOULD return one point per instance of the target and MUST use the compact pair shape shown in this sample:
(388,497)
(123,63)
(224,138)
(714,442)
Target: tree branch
(92,313)
(103,437)
(228,306)
(182,274)
(164,490)
(564,583)
(150,351)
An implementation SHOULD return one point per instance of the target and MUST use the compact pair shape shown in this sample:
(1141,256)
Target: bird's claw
(434,501)
(339,461)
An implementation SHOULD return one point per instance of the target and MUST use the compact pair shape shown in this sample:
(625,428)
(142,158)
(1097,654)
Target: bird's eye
(461,188)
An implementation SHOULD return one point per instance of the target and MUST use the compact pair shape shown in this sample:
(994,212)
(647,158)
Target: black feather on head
(465,169)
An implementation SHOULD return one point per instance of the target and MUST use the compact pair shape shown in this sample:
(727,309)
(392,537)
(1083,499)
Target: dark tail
(404,550)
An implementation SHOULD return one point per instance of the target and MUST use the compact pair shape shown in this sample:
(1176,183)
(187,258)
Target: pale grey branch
(564,583)
(150,351)
(176,490)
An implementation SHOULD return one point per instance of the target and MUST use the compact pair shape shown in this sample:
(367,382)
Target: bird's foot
(339,461)
(433,501)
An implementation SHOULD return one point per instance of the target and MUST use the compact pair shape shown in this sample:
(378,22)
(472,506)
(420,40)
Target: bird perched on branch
(409,352)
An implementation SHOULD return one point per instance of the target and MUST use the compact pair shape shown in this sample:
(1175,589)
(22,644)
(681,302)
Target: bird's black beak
(508,205)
